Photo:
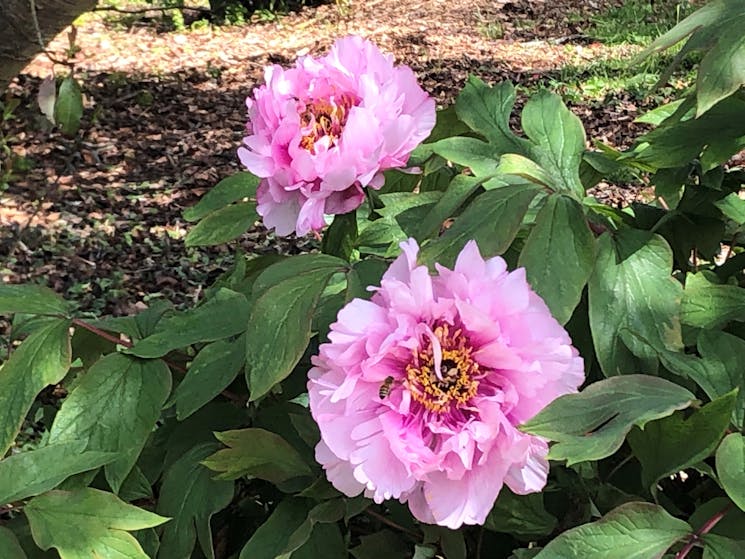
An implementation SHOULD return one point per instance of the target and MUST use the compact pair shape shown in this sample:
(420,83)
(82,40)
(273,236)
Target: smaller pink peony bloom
(321,132)
(420,391)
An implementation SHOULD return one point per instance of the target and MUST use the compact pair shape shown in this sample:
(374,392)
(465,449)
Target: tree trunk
(19,38)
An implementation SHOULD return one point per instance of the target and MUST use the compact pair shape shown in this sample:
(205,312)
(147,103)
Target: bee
(385,388)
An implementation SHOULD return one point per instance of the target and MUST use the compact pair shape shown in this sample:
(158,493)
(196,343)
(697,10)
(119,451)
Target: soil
(98,218)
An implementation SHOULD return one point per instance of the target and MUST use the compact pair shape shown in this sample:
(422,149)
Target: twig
(40,37)
(153,9)
(705,528)
(392,524)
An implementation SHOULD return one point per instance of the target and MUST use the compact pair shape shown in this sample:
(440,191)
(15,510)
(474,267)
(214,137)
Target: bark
(19,38)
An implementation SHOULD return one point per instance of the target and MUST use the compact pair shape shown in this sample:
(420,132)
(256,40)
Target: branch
(705,529)
(153,9)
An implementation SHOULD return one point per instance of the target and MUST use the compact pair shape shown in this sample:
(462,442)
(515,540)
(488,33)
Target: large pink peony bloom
(322,131)
(420,390)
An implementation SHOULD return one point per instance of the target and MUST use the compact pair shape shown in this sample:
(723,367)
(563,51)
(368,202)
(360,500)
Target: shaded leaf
(730,461)
(520,515)
(9,546)
(268,541)
(719,547)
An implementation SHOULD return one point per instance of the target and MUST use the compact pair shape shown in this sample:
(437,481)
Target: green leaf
(730,461)
(592,425)
(9,546)
(492,220)
(88,523)
(674,443)
(221,316)
(223,225)
(719,547)
(230,189)
(256,453)
(114,408)
(68,110)
(558,140)
(631,290)
(325,541)
(380,544)
(631,531)
(27,474)
(458,191)
(487,110)
(31,299)
(341,236)
(708,305)
(559,255)
(724,355)
(722,70)
(212,370)
(520,515)
(478,156)
(513,164)
(190,497)
(733,207)
(42,359)
(323,513)
(279,326)
(268,541)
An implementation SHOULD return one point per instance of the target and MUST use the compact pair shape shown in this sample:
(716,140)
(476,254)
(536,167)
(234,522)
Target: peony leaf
(632,292)
(223,225)
(722,70)
(279,325)
(592,425)
(709,305)
(31,299)
(88,523)
(114,407)
(42,359)
(9,546)
(520,515)
(220,316)
(190,497)
(492,219)
(458,191)
(719,547)
(480,157)
(558,141)
(341,236)
(268,541)
(730,461)
(30,473)
(631,531)
(559,255)
(487,110)
(212,370)
(674,443)
(381,544)
(256,453)
(327,512)
(68,110)
(231,189)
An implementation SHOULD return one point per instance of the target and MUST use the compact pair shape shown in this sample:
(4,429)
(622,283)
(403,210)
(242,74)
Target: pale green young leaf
(730,462)
(279,325)
(68,110)
(631,531)
(221,316)
(223,225)
(592,425)
(212,370)
(114,408)
(31,299)
(256,453)
(88,523)
(492,220)
(231,189)
(674,443)
(42,359)
(9,546)
(559,255)
(27,474)
(632,292)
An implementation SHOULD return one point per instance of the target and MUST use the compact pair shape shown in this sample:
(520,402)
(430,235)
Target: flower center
(325,118)
(456,380)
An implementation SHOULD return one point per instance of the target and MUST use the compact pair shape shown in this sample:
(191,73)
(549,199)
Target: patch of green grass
(638,22)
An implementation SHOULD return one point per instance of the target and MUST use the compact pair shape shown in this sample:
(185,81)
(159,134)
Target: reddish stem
(705,529)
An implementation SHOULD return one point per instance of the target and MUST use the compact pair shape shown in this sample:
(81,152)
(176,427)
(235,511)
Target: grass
(638,22)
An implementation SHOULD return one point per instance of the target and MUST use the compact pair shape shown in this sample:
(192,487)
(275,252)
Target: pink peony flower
(420,391)
(319,133)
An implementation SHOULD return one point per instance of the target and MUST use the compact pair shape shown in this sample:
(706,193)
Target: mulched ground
(99,218)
